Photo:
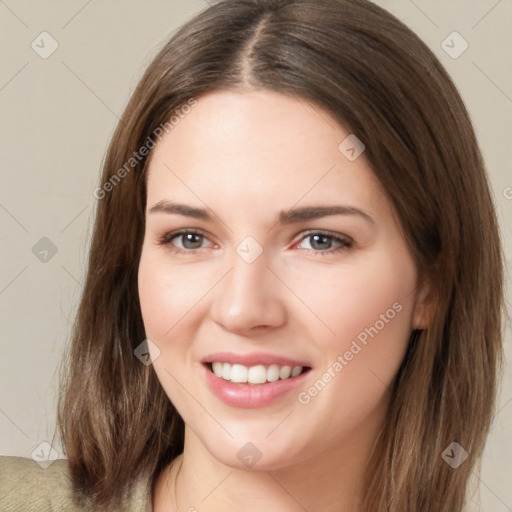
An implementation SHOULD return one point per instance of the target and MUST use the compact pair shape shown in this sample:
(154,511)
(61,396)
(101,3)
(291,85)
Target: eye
(322,242)
(190,239)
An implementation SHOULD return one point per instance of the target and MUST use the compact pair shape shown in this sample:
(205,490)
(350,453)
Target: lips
(249,391)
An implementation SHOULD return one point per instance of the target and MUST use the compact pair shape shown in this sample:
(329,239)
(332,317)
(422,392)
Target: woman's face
(269,279)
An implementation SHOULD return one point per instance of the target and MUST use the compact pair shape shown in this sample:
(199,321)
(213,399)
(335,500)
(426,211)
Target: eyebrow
(289,216)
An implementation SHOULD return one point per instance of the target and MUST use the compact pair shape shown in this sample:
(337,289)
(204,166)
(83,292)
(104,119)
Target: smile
(262,392)
(255,375)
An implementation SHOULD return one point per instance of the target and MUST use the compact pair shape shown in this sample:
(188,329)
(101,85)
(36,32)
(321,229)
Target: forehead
(259,145)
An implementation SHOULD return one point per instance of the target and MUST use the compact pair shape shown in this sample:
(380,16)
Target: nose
(249,297)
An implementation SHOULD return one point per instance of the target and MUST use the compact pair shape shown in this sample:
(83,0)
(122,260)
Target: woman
(294,292)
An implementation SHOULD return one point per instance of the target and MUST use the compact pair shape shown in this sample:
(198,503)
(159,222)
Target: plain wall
(57,116)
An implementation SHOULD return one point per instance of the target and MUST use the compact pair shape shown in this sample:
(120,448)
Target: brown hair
(373,74)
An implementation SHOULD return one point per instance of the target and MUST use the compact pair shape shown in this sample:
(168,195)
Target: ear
(423,307)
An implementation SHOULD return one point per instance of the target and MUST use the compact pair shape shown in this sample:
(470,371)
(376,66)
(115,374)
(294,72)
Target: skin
(246,156)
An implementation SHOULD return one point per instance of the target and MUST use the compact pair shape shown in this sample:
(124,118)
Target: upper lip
(252,359)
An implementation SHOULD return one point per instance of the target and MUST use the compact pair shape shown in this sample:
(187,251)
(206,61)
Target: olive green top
(25,486)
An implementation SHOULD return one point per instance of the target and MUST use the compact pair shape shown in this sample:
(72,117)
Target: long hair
(376,77)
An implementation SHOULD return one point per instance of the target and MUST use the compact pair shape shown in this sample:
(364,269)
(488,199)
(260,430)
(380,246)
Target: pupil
(315,241)
(188,237)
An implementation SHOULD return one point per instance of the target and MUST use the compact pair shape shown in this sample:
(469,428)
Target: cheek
(377,298)
(167,299)
(166,295)
(156,301)
(367,307)
(379,324)
(350,298)
(370,311)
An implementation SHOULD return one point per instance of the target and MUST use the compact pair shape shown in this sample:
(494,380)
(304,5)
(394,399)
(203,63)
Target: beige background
(57,116)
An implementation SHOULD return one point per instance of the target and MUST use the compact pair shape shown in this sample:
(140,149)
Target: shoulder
(27,486)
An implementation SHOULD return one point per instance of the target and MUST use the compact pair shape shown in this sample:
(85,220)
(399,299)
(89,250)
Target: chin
(257,455)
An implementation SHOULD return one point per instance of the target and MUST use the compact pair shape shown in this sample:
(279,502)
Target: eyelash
(345,243)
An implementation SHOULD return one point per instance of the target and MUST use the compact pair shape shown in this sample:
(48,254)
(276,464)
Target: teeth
(296,371)
(238,373)
(272,373)
(285,372)
(217,369)
(258,374)
(226,372)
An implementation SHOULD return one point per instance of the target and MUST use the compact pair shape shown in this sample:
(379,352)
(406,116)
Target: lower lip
(250,396)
